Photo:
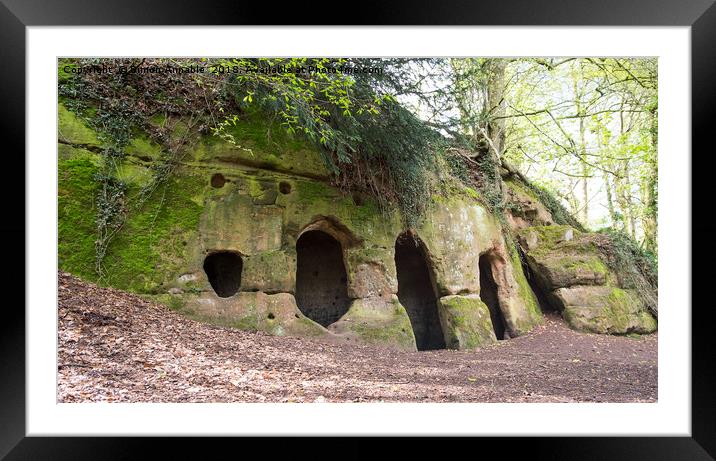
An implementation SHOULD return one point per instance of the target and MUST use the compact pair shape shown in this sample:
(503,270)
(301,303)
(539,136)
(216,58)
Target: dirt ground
(116,347)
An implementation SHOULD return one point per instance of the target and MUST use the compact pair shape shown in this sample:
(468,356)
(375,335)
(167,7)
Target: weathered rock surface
(605,310)
(270,272)
(465,321)
(525,210)
(562,258)
(275,314)
(455,232)
(376,321)
(256,199)
(575,276)
(371,273)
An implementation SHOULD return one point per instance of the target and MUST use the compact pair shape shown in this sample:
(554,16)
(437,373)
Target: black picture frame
(700,15)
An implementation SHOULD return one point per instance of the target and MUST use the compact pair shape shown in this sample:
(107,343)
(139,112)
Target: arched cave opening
(416,293)
(224,272)
(321,290)
(488,294)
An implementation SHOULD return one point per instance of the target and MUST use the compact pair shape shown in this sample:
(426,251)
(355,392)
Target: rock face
(467,321)
(526,210)
(257,203)
(570,269)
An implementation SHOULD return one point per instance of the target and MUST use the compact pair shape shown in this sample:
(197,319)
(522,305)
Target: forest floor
(116,347)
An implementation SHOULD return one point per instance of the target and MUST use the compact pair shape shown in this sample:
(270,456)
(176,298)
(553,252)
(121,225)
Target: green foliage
(628,255)
(559,213)
(393,156)
(634,264)
(303,93)
(369,142)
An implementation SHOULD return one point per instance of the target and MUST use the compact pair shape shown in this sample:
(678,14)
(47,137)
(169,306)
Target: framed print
(454,222)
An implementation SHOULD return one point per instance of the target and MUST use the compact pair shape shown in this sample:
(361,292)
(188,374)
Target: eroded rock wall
(255,200)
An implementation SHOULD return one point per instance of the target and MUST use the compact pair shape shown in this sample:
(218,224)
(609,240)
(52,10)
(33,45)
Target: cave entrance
(224,272)
(416,293)
(321,290)
(488,294)
(544,304)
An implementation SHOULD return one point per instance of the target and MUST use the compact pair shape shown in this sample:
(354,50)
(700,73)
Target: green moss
(550,236)
(75,214)
(67,152)
(398,332)
(133,174)
(72,129)
(378,322)
(154,242)
(143,148)
(609,310)
(466,322)
(309,199)
(158,120)
(472,193)
(63,66)
(176,303)
(256,128)
(249,322)
(304,326)
(593,264)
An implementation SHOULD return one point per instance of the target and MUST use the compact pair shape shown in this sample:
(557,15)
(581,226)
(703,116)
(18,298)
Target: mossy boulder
(577,280)
(377,321)
(465,321)
(605,310)
(563,257)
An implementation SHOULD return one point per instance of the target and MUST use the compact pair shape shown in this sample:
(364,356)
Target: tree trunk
(582,152)
(649,192)
(610,201)
(495,109)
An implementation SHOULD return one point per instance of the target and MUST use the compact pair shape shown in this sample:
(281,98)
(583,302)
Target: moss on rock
(531,312)
(563,257)
(377,321)
(76,190)
(254,311)
(466,322)
(270,272)
(157,240)
(73,130)
(143,148)
(605,310)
